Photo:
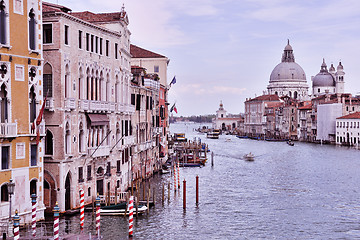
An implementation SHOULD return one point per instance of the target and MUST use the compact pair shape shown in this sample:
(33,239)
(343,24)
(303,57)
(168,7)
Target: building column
(61,193)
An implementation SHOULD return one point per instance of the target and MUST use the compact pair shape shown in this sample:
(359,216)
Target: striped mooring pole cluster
(16,225)
(175,177)
(33,214)
(56,221)
(82,215)
(98,216)
(131,210)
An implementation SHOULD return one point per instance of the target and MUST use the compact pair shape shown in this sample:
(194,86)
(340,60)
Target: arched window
(289,93)
(88,84)
(33,188)
(276,93)
(4,193)
(92,86)
(67,139)
(118,134)
(2,23)
(32,103)
(101,87)
(117,90)
(107,88)
(96,86)
(4,104)
(47,76)
(32,29)
(81,138)
(67,82)
(49,143)
(81,87)
(295,95)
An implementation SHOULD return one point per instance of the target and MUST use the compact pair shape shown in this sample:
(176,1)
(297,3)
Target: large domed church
(288,78)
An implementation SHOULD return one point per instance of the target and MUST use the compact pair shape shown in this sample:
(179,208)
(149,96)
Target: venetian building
(328,81)
(21,99)
(288,78)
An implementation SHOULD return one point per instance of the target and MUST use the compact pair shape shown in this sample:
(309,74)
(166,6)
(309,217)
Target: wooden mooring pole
(163,192)
(197,190)
(212,159)
(184,194)
(169,191)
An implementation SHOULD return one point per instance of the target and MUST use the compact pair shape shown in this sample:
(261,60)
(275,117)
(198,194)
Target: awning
(98,119)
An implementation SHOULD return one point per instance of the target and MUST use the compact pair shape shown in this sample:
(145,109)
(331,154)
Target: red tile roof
(306,107)
(51,7)
(99,17)
(355,115)
(138,52)
(272,97)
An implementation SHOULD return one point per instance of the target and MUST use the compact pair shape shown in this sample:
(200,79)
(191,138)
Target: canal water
(306,191)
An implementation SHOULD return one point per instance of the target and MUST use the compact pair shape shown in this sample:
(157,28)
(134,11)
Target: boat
(290,143)
(212,135)
(189,164)
(249,157)
(119,209)
(179,137)
(239,136)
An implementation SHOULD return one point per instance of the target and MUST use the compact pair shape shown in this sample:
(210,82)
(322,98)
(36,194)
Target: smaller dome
(323,79)
(340,67)
(332,68)
(288,46)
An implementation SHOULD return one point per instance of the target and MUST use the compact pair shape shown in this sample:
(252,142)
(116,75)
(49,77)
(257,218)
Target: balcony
(144,146)
(129,140)
(91,105)
(152,84)
(49,104)
(102,151)
(8,130)
(70,103)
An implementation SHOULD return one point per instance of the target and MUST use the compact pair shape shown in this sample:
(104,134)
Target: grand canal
(307,191)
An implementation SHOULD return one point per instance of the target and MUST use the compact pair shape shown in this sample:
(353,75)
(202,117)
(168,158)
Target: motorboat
(249,157)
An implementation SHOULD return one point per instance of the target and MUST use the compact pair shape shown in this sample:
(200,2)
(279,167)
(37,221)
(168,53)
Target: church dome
(323,78)
(287,71)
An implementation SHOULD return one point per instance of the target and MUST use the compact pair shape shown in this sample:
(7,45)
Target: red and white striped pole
(56,221)
(131,210)
(16,219)
(82,215)
(178,174)
(175,177)
(98,215)
(33,215)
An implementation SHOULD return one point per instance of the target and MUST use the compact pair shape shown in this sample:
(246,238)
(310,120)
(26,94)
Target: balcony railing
(49,104)
(8,130)
(101,151)
(70,103)
(129,140)
(41,129)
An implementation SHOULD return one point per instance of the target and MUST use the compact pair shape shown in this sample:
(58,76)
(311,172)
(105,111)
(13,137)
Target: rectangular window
(151,103)
(108,168)
(81,176)
(96,44)
(33,150)
(130,128)
(116,51)
(5,157)
(138,102)
(80,39)
(92,43)
(66,35)
(132,99)
(101,43)
(147,102)
(156,69)
(89,172)
(47,33)
(87,42)
(118,164)
(107,48)
(126,128)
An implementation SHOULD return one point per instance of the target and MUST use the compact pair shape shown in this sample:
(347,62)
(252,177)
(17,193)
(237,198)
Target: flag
(172,108)
(39,118)
(173,81)
(37,136)
(175,109)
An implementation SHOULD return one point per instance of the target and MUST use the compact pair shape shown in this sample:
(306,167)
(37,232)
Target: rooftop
(355,115)
(138,52)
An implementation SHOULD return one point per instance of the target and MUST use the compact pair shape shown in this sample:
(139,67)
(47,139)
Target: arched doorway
(49,191)
(223,127)
(67,192)
(347,138)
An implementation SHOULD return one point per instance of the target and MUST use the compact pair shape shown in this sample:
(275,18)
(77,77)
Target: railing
(129,140)
(86,105)
(100,151)
(121,197)
(49,104)
(8,130)
(70,103)
(152,84)
(41,129)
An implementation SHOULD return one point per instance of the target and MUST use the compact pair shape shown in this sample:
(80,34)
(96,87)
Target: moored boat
(212,135)
(119,209)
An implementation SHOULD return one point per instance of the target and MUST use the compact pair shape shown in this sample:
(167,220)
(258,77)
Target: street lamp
(10,187)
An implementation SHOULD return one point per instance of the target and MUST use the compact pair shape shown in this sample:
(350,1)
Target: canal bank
(306,191)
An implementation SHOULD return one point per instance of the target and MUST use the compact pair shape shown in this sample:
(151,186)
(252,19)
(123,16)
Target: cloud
(207,90)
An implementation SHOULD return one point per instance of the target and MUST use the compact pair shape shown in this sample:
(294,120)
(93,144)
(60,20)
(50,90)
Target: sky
(225,50)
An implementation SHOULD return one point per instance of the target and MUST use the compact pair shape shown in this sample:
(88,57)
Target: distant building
(326,121)
(348,129)
(155,63)
(254,119)
(304,118)
(288,78)
(328,82)
(227,123)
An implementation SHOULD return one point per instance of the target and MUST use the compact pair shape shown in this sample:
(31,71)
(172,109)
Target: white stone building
(89,133)
(326,121)
(226,123)
(288,78)
(348,129)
